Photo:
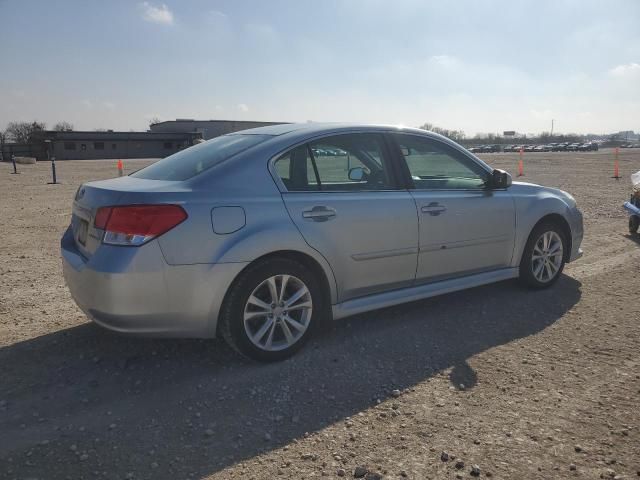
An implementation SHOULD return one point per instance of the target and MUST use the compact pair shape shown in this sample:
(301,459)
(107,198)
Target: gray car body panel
(175,284)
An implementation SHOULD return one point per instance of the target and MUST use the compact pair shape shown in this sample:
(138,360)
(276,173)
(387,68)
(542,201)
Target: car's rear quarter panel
(244,183)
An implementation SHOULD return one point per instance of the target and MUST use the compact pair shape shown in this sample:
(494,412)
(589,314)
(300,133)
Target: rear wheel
(543,258)
(634,223)
(272,309)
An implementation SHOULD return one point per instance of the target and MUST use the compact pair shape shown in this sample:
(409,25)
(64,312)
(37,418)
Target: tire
(540,266)
(263,328)
(634,223)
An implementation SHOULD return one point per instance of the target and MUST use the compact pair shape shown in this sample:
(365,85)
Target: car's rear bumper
(133,290)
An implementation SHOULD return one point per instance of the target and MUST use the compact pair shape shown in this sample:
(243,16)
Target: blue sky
(477,66)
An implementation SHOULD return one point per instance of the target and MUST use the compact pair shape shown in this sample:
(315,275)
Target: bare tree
(153,121)
(455,135)
(63,127)
(22,132)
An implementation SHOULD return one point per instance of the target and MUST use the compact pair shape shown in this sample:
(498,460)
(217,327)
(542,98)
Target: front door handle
(434,209)
(319,213)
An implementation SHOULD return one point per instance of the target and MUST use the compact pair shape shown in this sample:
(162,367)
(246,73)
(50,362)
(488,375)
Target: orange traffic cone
(120,168)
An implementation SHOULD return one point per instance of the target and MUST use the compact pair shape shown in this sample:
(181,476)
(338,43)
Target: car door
(342,193)
(464,227)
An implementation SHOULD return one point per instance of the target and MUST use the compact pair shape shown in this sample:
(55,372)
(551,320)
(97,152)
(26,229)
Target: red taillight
(137,224)
(102,217)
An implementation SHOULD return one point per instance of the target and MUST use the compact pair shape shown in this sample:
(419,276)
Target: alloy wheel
(278,312)
(547,256)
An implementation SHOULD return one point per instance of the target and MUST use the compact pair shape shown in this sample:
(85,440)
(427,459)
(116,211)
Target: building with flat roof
(77,145)
(207,128)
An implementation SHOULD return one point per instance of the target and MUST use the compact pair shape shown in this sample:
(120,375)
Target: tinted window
(435,165)
(295,169)
(339,163)
(195,160)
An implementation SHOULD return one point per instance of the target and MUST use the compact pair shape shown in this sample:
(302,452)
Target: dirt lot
(523,384)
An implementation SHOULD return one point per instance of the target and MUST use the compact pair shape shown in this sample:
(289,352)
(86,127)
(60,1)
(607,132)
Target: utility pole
(552,129)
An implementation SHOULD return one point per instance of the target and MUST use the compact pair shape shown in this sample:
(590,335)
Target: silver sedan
(260,236)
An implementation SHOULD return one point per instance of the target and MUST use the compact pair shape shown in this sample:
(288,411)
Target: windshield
(195,160)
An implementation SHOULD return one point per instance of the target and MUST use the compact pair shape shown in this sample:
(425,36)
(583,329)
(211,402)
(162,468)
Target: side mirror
(356,174)
(500,179)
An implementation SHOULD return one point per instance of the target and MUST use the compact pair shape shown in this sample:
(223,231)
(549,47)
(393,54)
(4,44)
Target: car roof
(311,128)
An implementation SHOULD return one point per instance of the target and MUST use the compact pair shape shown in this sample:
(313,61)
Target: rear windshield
(194,160)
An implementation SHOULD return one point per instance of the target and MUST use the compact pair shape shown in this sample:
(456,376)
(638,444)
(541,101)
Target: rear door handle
(319,213)
(434,209)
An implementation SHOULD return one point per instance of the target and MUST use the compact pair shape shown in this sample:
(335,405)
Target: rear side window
(351,162)
(295,169)
(195,160)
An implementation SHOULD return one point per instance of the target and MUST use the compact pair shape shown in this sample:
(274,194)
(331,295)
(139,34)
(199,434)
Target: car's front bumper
(133,290)
(577,233)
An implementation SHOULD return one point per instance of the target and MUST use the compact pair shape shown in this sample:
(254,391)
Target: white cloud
(626,69)
(87,103)
(243,107)
(216,15)
(444,60)
(153,14)
(109,105)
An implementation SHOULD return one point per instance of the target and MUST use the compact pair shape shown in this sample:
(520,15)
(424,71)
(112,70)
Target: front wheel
(543,258)
(272,309)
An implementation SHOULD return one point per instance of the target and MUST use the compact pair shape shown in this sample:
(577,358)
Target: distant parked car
(529,148)
(573,147)
(494,148)
(587,147)
(543,148)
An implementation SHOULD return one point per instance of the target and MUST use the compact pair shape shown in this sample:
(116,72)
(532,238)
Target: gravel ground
(496,382)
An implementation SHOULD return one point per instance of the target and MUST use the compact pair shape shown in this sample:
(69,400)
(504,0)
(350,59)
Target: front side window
(435,165)
(350,162)
(195,160)
(98,145)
